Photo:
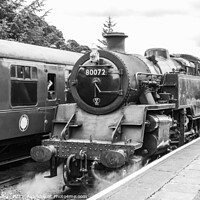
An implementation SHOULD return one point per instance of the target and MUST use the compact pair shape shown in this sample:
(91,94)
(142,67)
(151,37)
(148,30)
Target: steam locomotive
(32,80)
(127,106)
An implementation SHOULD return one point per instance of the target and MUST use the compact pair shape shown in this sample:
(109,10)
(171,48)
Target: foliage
(107,28)
(74,46)
(26,23)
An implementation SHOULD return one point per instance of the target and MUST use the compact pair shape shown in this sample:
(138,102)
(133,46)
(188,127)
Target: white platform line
(140,171)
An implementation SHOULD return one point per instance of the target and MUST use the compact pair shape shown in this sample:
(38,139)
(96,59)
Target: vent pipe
(116,41)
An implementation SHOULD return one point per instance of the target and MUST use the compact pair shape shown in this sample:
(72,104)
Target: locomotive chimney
(116,41)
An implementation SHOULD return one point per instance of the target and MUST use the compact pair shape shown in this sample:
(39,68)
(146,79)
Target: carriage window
(23,72)
(51,86)
(23,85)
(27,72)
(20,71)
(12,71)
(23,93)
(34,73)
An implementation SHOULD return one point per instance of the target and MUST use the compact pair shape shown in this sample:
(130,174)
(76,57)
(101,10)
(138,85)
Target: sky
(170,24)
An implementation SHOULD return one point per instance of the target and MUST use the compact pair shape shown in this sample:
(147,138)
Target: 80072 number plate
(90,71)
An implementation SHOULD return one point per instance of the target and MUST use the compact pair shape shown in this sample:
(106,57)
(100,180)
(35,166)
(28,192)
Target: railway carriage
(32,80)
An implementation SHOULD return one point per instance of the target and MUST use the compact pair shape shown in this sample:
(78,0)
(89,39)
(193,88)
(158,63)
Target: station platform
(175,176)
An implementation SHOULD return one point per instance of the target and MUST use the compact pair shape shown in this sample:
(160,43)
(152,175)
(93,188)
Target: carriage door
(53,87)
(51,84)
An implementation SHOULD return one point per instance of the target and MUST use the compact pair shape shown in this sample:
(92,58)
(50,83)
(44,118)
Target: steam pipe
(146,97)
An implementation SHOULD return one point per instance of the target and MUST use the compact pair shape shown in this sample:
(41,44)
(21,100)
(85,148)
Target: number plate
(92,71)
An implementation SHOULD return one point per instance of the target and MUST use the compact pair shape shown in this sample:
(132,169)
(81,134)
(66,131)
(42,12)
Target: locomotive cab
(157,52)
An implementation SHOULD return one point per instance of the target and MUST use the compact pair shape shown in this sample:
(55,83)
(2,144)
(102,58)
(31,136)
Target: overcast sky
(171,24)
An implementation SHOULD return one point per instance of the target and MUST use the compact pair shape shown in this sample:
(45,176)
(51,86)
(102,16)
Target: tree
(22,23)
(74,46)
(107,28)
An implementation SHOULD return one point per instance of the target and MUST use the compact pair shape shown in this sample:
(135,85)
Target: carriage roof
(22,51)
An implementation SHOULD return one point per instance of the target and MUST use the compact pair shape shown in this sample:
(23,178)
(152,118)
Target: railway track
(10,182)
(5,162)
(9,188)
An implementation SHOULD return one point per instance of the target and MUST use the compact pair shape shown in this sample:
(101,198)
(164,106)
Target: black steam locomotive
(126,106)
(32,80)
